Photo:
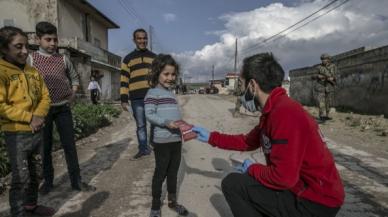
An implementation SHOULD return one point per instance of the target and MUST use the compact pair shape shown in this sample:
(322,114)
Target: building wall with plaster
(362,81)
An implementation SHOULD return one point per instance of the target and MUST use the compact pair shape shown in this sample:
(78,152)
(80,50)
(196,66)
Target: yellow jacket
(22,94)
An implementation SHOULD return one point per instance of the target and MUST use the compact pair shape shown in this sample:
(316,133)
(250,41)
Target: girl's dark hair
(6,35)
(158,65)
(45,28)
(265,70)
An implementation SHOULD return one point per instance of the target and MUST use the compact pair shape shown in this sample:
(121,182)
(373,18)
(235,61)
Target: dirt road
(124,186)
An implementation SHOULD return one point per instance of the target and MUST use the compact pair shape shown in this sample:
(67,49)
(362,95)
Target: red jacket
(297,157)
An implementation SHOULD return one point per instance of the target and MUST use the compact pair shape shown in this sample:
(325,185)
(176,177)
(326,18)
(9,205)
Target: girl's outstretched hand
(171,125)
(203,134)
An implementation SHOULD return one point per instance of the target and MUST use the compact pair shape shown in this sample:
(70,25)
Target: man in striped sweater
(134,86)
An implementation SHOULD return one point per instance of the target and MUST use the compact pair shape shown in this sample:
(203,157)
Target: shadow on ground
(103,160)
(219,203)
(358,203)
(92,203)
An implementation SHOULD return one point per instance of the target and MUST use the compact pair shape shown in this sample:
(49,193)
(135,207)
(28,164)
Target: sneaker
(82,186)
(155,213)
(46,188)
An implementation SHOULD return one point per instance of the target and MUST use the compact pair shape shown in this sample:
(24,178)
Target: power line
(324,7)
(137,15)
(140,21)
(282,36)
(132,13)
(290,27)
(128,11)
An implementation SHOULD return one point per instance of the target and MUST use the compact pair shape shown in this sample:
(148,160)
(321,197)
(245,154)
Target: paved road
(124,186)
(365,175)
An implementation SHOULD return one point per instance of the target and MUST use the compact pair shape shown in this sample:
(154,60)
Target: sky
(202,33)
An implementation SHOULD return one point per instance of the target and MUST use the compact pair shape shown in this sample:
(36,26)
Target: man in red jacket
(300,177)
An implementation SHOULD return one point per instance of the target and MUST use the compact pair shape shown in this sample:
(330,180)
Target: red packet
(186,130)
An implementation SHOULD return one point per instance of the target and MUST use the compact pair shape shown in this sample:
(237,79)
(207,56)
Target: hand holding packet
(186,130)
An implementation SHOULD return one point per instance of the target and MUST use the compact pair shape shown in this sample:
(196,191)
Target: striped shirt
(135,69)
(161,107)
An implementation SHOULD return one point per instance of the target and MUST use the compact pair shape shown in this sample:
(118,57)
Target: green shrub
(88,118)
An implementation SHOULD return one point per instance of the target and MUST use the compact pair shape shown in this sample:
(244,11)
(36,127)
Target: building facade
(83,34)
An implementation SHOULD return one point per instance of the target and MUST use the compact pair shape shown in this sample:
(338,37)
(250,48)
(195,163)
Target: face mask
(248,101)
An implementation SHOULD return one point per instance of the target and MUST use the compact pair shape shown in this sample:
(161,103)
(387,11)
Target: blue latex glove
(203,134)
(244,167)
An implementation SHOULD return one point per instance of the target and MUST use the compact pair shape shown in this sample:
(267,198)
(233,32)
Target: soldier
(237,92)
(324,86)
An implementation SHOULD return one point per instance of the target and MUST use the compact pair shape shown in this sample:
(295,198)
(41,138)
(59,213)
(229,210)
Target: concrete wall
(26,13)
(115,85)
(109,82)
(98,31)
(231,83)
(71,25)
(67,17)
(84,68)
(362,82)
(70,19)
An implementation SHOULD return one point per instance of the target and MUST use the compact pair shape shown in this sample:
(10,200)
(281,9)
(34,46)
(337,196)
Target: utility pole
(235,58)
(150,37)
(212,74)
(235,70)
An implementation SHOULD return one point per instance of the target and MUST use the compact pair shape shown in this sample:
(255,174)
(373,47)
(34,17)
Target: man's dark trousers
(23,148)
(63,119)
(248,198)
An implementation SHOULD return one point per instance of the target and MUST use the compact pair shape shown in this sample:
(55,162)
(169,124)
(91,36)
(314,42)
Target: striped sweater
(161,108)
(134,74)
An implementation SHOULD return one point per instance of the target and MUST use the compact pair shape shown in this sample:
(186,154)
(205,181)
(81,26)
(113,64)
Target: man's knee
(231,182)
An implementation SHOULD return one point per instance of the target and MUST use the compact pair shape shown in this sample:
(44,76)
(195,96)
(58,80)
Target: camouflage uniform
(324,88)
(237,92)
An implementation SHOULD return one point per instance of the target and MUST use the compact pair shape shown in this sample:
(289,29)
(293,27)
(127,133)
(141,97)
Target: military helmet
(325,56)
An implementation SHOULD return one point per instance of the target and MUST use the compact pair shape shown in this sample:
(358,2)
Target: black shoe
(141,154)
(46,188)
(180,209)
(325,118)
(82,186)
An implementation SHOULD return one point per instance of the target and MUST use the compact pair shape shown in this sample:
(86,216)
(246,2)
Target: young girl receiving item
(24,103)
(161,110)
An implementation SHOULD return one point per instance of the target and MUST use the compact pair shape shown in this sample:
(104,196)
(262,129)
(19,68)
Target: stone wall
(362,81)
(26,13)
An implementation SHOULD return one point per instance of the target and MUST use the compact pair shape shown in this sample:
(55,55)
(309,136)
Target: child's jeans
(167,161)
(23,148)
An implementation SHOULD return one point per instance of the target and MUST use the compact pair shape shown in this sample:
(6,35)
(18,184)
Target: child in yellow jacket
(24,102)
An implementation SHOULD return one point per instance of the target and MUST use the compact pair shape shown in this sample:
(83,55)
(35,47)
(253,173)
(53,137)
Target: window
(85,22)
(227,81)
(8,22)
